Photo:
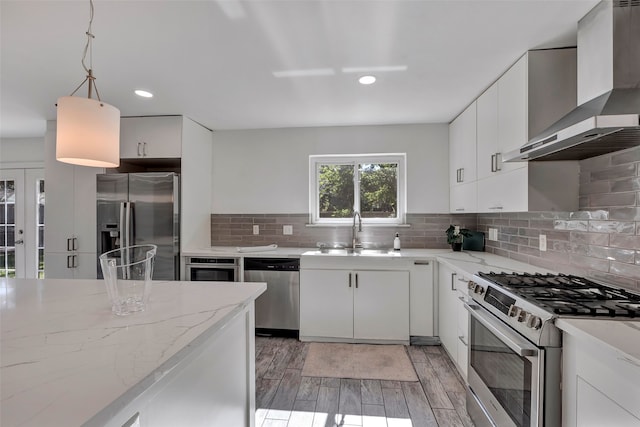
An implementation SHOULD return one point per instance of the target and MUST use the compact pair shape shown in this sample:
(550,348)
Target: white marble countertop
(471,262)
(232,251)
(621,336)
(65,357)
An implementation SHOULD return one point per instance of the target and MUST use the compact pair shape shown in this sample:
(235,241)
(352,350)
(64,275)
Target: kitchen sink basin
(356,251)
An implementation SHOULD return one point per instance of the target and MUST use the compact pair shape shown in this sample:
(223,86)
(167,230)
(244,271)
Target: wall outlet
(493,234)
(543,242)
(256,230)
(287,230)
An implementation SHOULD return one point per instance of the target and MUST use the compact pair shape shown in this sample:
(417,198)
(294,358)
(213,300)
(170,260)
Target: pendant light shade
(88,132)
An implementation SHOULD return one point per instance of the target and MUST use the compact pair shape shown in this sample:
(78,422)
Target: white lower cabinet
(600,387)
(453,319)
(421,296)
(462,341)
(354,304)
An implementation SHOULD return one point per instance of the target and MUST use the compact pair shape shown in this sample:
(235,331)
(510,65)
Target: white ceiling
(214,61)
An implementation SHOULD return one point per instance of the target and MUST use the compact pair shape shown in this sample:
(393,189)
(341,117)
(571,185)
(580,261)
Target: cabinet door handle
(70,244)
(139,153)
(356,280)
(349,279)
(144,149)
(74,243)
(420,262)
(461,338)
(461,174)
(496,207)
(493,158)
(498,161)
(453,286)
(459,209)
(71,261)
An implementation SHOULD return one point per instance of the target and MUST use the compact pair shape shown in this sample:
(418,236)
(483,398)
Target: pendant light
(88,130)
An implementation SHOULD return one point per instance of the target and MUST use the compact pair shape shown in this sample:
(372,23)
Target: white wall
(267,170)
(21,150)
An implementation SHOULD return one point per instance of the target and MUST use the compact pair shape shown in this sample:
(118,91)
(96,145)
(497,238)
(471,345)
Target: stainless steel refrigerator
(141,208)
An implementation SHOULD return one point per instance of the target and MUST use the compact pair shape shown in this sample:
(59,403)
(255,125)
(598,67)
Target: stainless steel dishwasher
(278,309)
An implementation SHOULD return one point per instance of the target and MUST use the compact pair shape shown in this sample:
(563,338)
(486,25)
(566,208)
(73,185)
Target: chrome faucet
(354,231)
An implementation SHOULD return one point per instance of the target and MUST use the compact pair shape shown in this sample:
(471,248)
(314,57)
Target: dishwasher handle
(271,264)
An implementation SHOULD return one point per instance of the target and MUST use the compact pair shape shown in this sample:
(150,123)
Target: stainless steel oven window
(508,375)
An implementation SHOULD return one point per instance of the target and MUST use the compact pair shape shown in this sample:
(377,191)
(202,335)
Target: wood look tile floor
(284,398)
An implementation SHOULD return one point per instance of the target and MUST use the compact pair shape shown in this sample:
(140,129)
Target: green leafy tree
(378,190)
(336,191)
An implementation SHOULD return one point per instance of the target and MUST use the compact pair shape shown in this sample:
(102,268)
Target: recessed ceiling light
(143,93)
(367,80)
(379,69)
(312,72)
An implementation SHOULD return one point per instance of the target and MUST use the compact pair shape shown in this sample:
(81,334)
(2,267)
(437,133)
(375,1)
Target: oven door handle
(510,338)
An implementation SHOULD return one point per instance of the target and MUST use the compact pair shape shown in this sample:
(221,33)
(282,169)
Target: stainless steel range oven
(506,373)
(515,348)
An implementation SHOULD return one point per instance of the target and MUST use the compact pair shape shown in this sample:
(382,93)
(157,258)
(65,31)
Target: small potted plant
(455,234)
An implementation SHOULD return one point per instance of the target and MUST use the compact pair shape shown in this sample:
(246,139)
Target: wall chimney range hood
(608,116)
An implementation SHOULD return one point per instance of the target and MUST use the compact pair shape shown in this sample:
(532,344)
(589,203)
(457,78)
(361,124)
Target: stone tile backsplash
(424,231)
(602,240)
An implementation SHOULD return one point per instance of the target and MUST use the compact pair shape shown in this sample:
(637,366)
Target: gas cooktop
(569,295)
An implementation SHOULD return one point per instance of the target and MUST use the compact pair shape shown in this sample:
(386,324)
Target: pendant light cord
(88,47)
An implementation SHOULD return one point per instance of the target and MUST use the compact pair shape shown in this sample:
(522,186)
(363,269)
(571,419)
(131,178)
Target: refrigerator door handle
(127,222)
(124,224)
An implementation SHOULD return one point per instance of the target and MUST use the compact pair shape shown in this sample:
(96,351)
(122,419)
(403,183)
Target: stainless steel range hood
(608,116)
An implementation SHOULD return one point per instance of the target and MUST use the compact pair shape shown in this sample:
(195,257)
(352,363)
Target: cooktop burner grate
(569,295)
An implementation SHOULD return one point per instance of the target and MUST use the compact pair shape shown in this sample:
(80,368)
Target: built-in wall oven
(212,269)
(515,348)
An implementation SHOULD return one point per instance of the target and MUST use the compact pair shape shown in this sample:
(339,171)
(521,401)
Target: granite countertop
(65,357)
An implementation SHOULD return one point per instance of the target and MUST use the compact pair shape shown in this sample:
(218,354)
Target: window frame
(315,161)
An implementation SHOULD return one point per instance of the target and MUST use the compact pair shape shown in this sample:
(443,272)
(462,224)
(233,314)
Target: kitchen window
(371,184)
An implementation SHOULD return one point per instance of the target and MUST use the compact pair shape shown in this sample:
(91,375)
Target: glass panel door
(22,223)
(11,230)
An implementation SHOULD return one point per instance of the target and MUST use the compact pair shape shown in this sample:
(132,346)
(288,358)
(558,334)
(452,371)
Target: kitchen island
(67,360)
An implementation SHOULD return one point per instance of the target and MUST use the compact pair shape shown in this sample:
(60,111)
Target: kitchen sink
(355,252)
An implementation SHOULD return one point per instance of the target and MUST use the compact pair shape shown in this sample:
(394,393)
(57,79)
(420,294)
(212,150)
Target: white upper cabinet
(529,97)
(487,134)
(462,147)
(512,107)
(463,198)
(154,137)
